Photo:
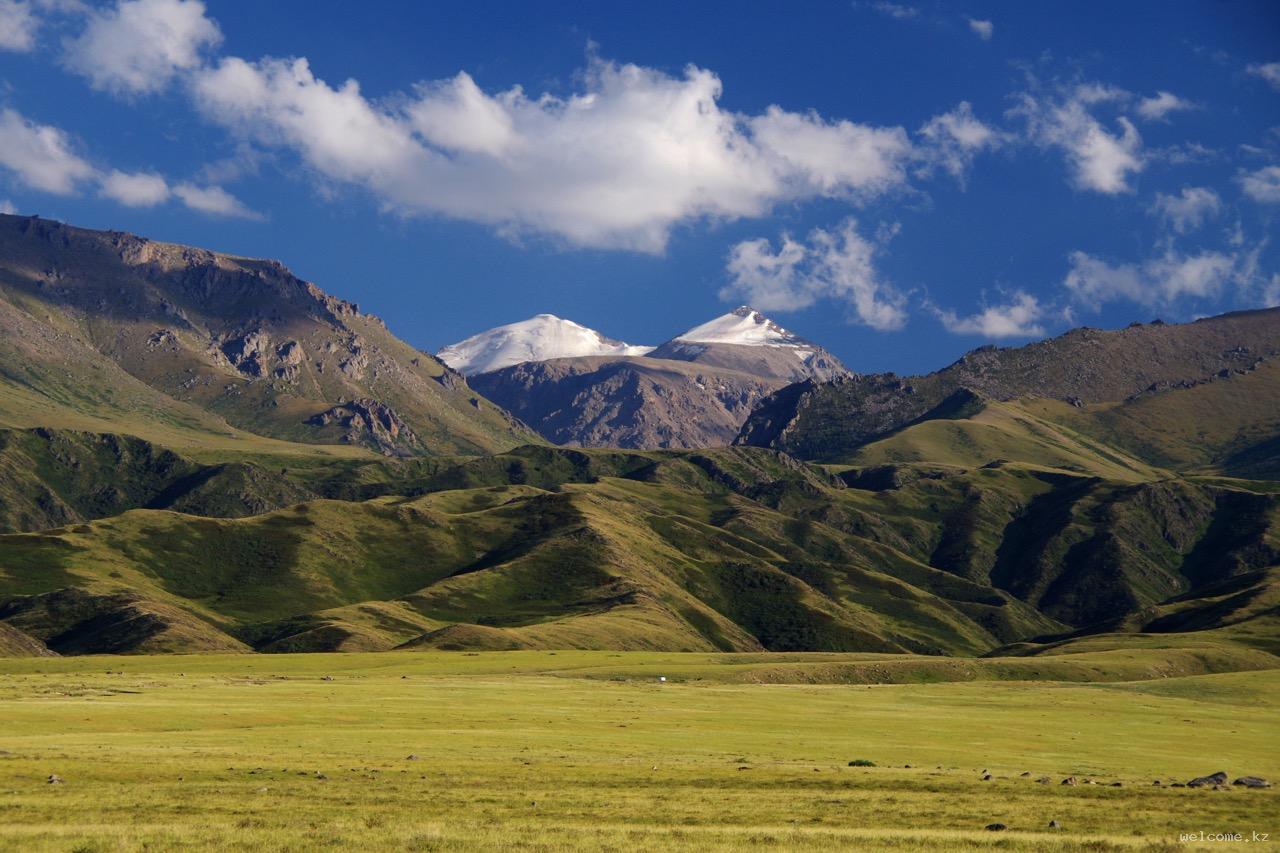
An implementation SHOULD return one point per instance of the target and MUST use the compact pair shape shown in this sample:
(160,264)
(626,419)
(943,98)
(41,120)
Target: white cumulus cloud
(618,164)
(1157,107)
(1189,210)
(1018,318)
(137,189)
(40,156)
(1262,185)
(138,46)
(213,200)
(1101,160)
(7,206)
(982,29)
(809,155)
(836,264)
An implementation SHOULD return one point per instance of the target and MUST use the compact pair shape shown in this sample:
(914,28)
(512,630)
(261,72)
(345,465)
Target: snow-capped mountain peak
(744,326)
(542,337)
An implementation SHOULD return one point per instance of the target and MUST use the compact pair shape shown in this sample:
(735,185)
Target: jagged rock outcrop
(368,421)
(632,402)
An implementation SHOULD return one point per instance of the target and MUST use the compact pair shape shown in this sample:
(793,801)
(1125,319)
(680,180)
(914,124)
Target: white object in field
(662,678)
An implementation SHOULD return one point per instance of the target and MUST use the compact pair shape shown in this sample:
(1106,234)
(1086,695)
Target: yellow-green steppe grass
(590,751)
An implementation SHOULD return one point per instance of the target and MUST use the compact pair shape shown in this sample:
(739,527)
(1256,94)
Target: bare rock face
(290,357)
(248,352)
(787,364)
(370,422)
(627,401)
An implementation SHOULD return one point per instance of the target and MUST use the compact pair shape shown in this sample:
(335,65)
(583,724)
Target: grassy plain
(588,750)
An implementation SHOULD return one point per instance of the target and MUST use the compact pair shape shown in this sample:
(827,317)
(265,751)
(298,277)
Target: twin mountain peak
(546,337)
(575,386)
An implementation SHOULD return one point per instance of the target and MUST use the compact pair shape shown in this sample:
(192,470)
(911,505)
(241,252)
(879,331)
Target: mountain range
(200,452)
(576,387)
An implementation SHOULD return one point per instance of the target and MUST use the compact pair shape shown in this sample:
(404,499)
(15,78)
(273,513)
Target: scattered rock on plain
(1219,778)
(1252,782)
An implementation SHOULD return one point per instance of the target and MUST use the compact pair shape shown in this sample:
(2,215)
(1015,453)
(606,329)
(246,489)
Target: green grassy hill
(109,332)
(731,550)
(1156,392)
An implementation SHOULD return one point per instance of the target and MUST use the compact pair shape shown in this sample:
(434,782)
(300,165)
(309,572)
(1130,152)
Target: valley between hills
(717,593)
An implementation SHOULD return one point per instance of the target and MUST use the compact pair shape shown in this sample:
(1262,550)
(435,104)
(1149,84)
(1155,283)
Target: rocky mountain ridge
(695,390)
(242,340)
(829,420)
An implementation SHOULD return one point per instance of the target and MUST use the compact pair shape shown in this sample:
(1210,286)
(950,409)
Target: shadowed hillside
(830,421)
(698,550)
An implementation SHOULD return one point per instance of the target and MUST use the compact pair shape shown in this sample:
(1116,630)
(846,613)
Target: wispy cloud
(43,158)
(1269,71)
(982,29)
(897,11)
(1158,281)
(1101,160)
(836,265)
(953,139)
(1189,210)
(1158,107)
(1018,318)
(18,26)
(1262,185)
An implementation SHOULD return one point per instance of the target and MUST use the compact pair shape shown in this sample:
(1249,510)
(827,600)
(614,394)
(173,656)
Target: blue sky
(901,182)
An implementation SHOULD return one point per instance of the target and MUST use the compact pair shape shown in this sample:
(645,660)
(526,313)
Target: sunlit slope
(1229,425)
(974,432)
(735,549)
(118,332)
